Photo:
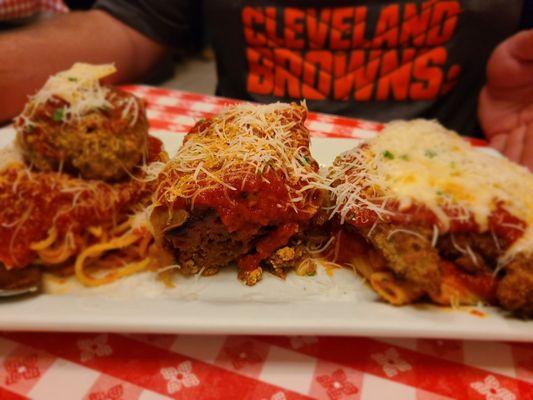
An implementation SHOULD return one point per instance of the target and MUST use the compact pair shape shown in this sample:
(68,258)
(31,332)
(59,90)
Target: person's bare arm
(30,55)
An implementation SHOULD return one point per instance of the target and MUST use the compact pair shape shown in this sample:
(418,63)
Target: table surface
(19,9)
(110,366)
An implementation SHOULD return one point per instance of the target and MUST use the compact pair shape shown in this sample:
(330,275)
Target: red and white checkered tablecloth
(17,9)
(56,366)
(177,111)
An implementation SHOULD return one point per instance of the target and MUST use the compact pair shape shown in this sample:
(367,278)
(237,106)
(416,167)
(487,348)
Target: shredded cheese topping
(244,141)
(80,88)
(421,162)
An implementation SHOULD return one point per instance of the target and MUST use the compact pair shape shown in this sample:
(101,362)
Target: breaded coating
(106,143)
(515,290)
(472,252)
(409,254)
(286,258)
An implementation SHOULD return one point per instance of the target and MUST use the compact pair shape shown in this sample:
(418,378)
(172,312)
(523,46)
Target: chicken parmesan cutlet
(241,189)
(421,214)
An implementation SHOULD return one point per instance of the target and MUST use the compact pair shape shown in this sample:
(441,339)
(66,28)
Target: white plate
(322,305)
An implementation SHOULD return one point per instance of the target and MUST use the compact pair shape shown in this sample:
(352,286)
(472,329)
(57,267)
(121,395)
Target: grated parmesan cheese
(82,93)
(79,86)
(243,141)
(420,161)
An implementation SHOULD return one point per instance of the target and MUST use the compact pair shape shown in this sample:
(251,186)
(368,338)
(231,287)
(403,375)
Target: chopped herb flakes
(430,153)
(59,113)
(305,160)
(388,154)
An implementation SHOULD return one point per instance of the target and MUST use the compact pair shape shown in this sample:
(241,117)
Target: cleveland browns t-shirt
(374,59)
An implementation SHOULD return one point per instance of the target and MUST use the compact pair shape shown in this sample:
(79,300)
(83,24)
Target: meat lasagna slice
(435,218)
(242,188)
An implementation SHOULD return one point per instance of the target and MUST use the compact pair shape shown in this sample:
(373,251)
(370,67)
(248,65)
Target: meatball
(104,143)
(204,242)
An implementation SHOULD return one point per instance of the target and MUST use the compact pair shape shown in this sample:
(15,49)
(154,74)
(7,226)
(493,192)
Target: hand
(506,101)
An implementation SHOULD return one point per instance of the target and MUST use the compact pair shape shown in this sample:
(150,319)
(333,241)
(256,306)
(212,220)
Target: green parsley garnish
(304,160)
(430,153)
(72,79)
(388,154)
(404,157)
(440,192)
(59,113)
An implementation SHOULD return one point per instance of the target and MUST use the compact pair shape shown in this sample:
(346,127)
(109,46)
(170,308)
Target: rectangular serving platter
(330,303)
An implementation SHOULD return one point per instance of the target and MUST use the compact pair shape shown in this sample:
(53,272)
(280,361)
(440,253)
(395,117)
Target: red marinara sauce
(483,285)
(346,245)
(154,148)
(416,214)
(267,246)
(33,202)
(259,200)
(501,222)
(505,225)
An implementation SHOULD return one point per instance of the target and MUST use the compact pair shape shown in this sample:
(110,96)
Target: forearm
(30,55)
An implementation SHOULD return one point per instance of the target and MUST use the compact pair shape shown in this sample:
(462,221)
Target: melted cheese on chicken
(422,162)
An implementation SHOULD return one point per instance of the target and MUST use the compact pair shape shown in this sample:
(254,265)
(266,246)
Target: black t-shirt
(373,59)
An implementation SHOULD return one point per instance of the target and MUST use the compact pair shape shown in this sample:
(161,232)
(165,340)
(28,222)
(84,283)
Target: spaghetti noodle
(68,219)
(90,169)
